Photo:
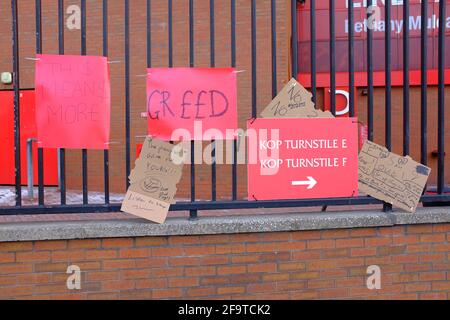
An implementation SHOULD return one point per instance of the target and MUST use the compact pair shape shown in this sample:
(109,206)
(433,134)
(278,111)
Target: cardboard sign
(73,102)
(299,159)
(192,103)
(397,180)
(153,182)
(294,101)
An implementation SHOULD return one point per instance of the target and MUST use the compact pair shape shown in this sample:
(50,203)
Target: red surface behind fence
(73,102)
(27,131)
(191,103)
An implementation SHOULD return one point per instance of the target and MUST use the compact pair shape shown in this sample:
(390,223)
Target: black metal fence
(194,206)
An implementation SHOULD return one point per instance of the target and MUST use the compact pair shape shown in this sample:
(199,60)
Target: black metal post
(16,79)
(84,151)
(127,94)
(62,152)
(106,53)
(193,214)
(441,98)
(387,207)
(41,192)
(351,58)
(370,76)
(332,58)
(406,113)
(233,64)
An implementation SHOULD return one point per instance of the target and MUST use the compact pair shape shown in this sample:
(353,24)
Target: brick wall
(181,59)
(414,261)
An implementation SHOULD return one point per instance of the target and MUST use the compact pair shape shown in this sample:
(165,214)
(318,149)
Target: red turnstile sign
(302,158)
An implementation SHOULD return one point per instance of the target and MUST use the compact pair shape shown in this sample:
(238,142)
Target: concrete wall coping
(41,231)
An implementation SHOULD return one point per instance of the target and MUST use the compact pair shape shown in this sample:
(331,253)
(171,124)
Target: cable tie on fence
(32,59)
(143,75)
(252,120)
(112,142)
(114,61)
(239,71)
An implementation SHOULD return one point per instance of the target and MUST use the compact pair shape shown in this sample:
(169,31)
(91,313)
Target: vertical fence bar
(406,113)
(424,84)
(273,27)
(212,38)
(170,32)
(312,29)
(16,68)
(127,93)
(254,84)
(351,58)
(370,74)
(387,207)
(193,214)
(149,33)
(441,98)
(294,40)
(388,69)
(84,151)
(233,65)
(62,152)
(332,63)
(332,59)
(106,53)
(38,6)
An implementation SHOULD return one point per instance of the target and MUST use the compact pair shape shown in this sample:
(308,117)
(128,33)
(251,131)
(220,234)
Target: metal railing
(193,206)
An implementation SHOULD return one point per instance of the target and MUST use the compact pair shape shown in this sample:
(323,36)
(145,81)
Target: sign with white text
(302,158)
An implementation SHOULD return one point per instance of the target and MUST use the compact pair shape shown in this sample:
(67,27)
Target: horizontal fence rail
(193,205)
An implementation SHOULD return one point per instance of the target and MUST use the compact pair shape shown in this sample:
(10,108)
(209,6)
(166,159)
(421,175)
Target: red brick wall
(414,262)
(181,59)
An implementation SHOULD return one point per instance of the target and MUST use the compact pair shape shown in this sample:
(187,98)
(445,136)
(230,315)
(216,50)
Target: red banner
(299,159)
(192,103)
(72,102)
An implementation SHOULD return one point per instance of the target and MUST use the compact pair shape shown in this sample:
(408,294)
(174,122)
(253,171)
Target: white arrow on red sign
(311,183)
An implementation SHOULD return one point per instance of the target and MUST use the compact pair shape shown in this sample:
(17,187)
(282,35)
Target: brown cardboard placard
(394,179)
(157,158)
(294,101)
(145,207)
(153,182)
(156,187)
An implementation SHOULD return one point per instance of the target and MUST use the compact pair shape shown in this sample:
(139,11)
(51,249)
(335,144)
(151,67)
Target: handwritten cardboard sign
(73,102)
(294,101)
(397,180)
(192,103)
(153,182)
